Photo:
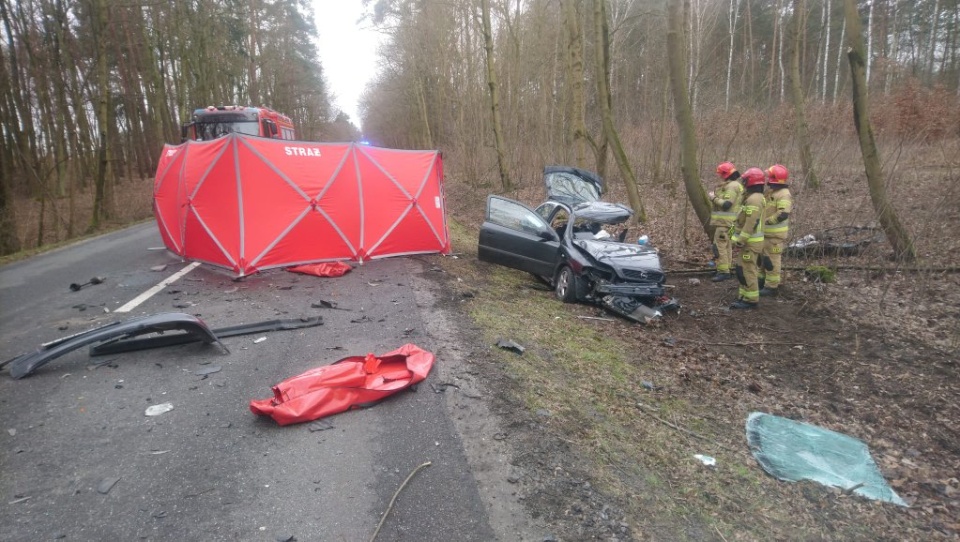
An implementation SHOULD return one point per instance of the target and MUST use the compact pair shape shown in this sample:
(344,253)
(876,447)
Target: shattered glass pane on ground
(792,451)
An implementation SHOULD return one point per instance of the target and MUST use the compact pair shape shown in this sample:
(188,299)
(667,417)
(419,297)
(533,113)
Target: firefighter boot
(769,292)
(720,277)
(741,304)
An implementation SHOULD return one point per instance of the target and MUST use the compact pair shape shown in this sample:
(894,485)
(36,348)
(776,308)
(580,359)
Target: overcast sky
(347,51)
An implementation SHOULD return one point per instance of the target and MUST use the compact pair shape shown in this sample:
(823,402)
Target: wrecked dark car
(575,243)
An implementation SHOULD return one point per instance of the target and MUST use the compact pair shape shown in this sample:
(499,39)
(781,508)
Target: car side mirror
(547,235)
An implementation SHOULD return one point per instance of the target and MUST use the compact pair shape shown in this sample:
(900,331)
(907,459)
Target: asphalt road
(209,469)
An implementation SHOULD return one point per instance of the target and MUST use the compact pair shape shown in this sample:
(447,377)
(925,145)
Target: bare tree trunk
(780,50)
(9,240)
(253,47)
(836,73)
(99,16)
(732,20)
(869,57)
(603,91)
(826,51)
(575,77)
(896,234)
(505,181)
(796,95)
(684,117)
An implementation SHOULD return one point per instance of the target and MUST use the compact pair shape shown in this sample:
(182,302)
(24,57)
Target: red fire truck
(213,122)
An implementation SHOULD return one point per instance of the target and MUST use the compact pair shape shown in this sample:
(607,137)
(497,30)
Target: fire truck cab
(213,122)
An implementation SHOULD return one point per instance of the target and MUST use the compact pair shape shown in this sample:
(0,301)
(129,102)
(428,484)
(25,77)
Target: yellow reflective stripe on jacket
(778,228)
(750,220)
(723,215)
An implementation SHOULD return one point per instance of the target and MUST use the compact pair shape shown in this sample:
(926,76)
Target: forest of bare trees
(91,89)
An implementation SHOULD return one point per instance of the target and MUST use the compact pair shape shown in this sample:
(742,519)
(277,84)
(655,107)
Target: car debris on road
(127,336)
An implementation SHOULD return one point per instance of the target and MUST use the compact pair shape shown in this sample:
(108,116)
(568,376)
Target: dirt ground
(873,355)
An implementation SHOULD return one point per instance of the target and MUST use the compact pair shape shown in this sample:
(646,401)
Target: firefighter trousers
(724,254)
(748,276)
(773,252)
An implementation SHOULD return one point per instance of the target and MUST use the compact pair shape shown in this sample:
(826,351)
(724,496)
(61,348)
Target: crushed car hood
(644,261)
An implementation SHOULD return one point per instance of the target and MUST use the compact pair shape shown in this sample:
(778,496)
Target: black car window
(545,209)
(515,216)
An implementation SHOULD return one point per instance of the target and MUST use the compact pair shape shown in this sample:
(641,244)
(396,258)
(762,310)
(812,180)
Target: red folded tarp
(352,382)
(327,269)
(248,203)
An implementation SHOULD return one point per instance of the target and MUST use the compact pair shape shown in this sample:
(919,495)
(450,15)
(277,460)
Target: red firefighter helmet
(753,176)
(777,174)
(725,169)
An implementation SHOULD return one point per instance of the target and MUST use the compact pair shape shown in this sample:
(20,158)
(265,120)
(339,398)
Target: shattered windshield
(567,184)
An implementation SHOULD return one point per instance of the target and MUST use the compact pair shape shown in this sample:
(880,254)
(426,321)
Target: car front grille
(647,276)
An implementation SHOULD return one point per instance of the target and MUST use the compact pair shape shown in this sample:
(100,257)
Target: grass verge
(591,380)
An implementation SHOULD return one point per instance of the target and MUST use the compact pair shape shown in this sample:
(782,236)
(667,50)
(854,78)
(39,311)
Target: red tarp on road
(352,382)
(248,203)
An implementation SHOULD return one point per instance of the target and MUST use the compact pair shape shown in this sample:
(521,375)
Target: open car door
(515,236)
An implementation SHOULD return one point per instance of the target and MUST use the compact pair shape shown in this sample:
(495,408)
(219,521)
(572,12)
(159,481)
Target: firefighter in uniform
(748,236)
(726,206)
(776,224)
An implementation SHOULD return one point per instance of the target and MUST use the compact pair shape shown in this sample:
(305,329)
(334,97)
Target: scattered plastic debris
(208,370)
(12,431)
(510,345)
(106,485)
(259,340)
(159,268)
(649,385)
(792,451)
(840,241)
(95,280)
(25,364)
(706,460)
(156,410)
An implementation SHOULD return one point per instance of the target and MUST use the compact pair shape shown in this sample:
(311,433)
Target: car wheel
(569,286)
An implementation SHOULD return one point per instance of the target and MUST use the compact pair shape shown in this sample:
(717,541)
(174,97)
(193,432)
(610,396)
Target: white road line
(153,291)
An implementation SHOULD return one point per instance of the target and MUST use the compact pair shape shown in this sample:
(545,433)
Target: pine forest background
(90,90)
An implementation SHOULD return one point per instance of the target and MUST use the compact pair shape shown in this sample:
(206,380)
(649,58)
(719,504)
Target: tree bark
(99,16)
(796,95)
(505,181)
(578,124)
(896,234)
(684,118)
